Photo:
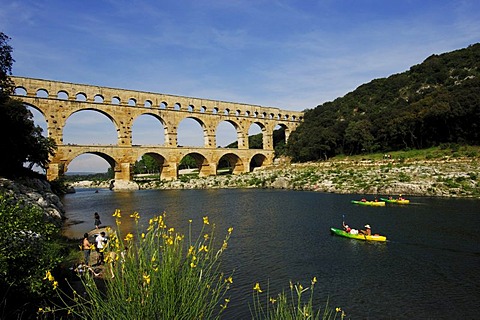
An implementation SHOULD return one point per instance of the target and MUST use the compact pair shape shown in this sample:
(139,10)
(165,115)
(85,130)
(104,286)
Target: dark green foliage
(22,141)
(28,248)
(435,102)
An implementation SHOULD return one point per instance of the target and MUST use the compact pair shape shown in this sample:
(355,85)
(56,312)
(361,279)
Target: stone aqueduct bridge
(57,101)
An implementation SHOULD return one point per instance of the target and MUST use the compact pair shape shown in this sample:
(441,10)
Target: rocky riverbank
(455,177)
(35,192)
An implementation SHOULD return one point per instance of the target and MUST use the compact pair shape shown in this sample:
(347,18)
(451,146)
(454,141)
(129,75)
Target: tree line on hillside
(435,102)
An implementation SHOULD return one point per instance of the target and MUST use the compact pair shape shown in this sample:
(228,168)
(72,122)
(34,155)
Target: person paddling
(346,227)
(367,231)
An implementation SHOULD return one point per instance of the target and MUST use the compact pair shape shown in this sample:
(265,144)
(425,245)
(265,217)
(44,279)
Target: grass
(161,274)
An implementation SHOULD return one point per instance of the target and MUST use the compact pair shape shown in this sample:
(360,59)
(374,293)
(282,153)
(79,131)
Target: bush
(28,246)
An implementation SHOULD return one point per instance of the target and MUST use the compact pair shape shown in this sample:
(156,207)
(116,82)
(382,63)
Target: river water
(429,268)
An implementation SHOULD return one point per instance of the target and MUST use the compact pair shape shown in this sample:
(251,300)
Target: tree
(6,62)
(22,141)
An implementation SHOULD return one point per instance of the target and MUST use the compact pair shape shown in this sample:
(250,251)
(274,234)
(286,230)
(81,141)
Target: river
(429,268)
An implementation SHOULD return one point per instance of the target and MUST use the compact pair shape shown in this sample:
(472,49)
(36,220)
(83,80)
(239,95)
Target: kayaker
(346,227)
(367,231)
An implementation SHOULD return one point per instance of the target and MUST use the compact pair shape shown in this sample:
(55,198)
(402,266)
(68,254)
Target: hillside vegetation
(436,102)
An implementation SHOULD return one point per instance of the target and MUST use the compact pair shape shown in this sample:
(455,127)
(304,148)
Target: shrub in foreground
(28,246)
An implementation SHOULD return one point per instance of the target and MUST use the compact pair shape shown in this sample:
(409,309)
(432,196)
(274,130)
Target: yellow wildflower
(314,280)
(257,287)
(135,215)
(205,220)
(191,250)
(203,248)
(129,237)
(229,280)
(338,309)
(40,310)
(55,284)
(117,214)
(226,303)
(146,278)
(49,276)
(230,230)
(206,236)
(143,235)
(272,300)
(190,220)
(171,230)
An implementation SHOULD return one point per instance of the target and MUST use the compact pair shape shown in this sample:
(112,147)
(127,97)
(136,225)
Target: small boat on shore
(397,201)
(370,203)
(359,236)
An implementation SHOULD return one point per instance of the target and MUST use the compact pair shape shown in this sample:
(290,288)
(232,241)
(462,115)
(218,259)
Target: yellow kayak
(398,201)
(341,233)
(370,203)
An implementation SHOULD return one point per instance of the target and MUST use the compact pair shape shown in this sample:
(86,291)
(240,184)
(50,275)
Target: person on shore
(367,231)
(86,247)
(101,241)
(97,220)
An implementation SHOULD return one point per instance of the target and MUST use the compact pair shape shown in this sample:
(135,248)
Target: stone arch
(62,95)
(184,132)
(224,136)
(98,98)
(201,162)
(145,122)
(254,129)
(132,102)
(230,163)
(20,91)
(279,138)
(42,123)
(159,160)
(86,110)
(41,93)
(81,96)
(257,161)
(110,160)
(116,100)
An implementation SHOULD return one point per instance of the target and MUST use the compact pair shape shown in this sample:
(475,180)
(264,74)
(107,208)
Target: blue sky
(292,55)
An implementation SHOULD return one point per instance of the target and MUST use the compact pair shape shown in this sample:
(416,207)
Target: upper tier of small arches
(120,97)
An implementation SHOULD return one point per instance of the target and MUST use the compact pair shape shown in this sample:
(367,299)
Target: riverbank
(448,177)
(35,192)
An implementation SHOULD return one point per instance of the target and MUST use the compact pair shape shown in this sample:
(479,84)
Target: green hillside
(434,103)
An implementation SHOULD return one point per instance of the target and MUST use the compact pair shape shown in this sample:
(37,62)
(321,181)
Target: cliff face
(37,193)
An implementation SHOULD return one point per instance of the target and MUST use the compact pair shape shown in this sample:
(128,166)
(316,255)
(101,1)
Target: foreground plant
(293,306)
(29,244)
(156,274)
